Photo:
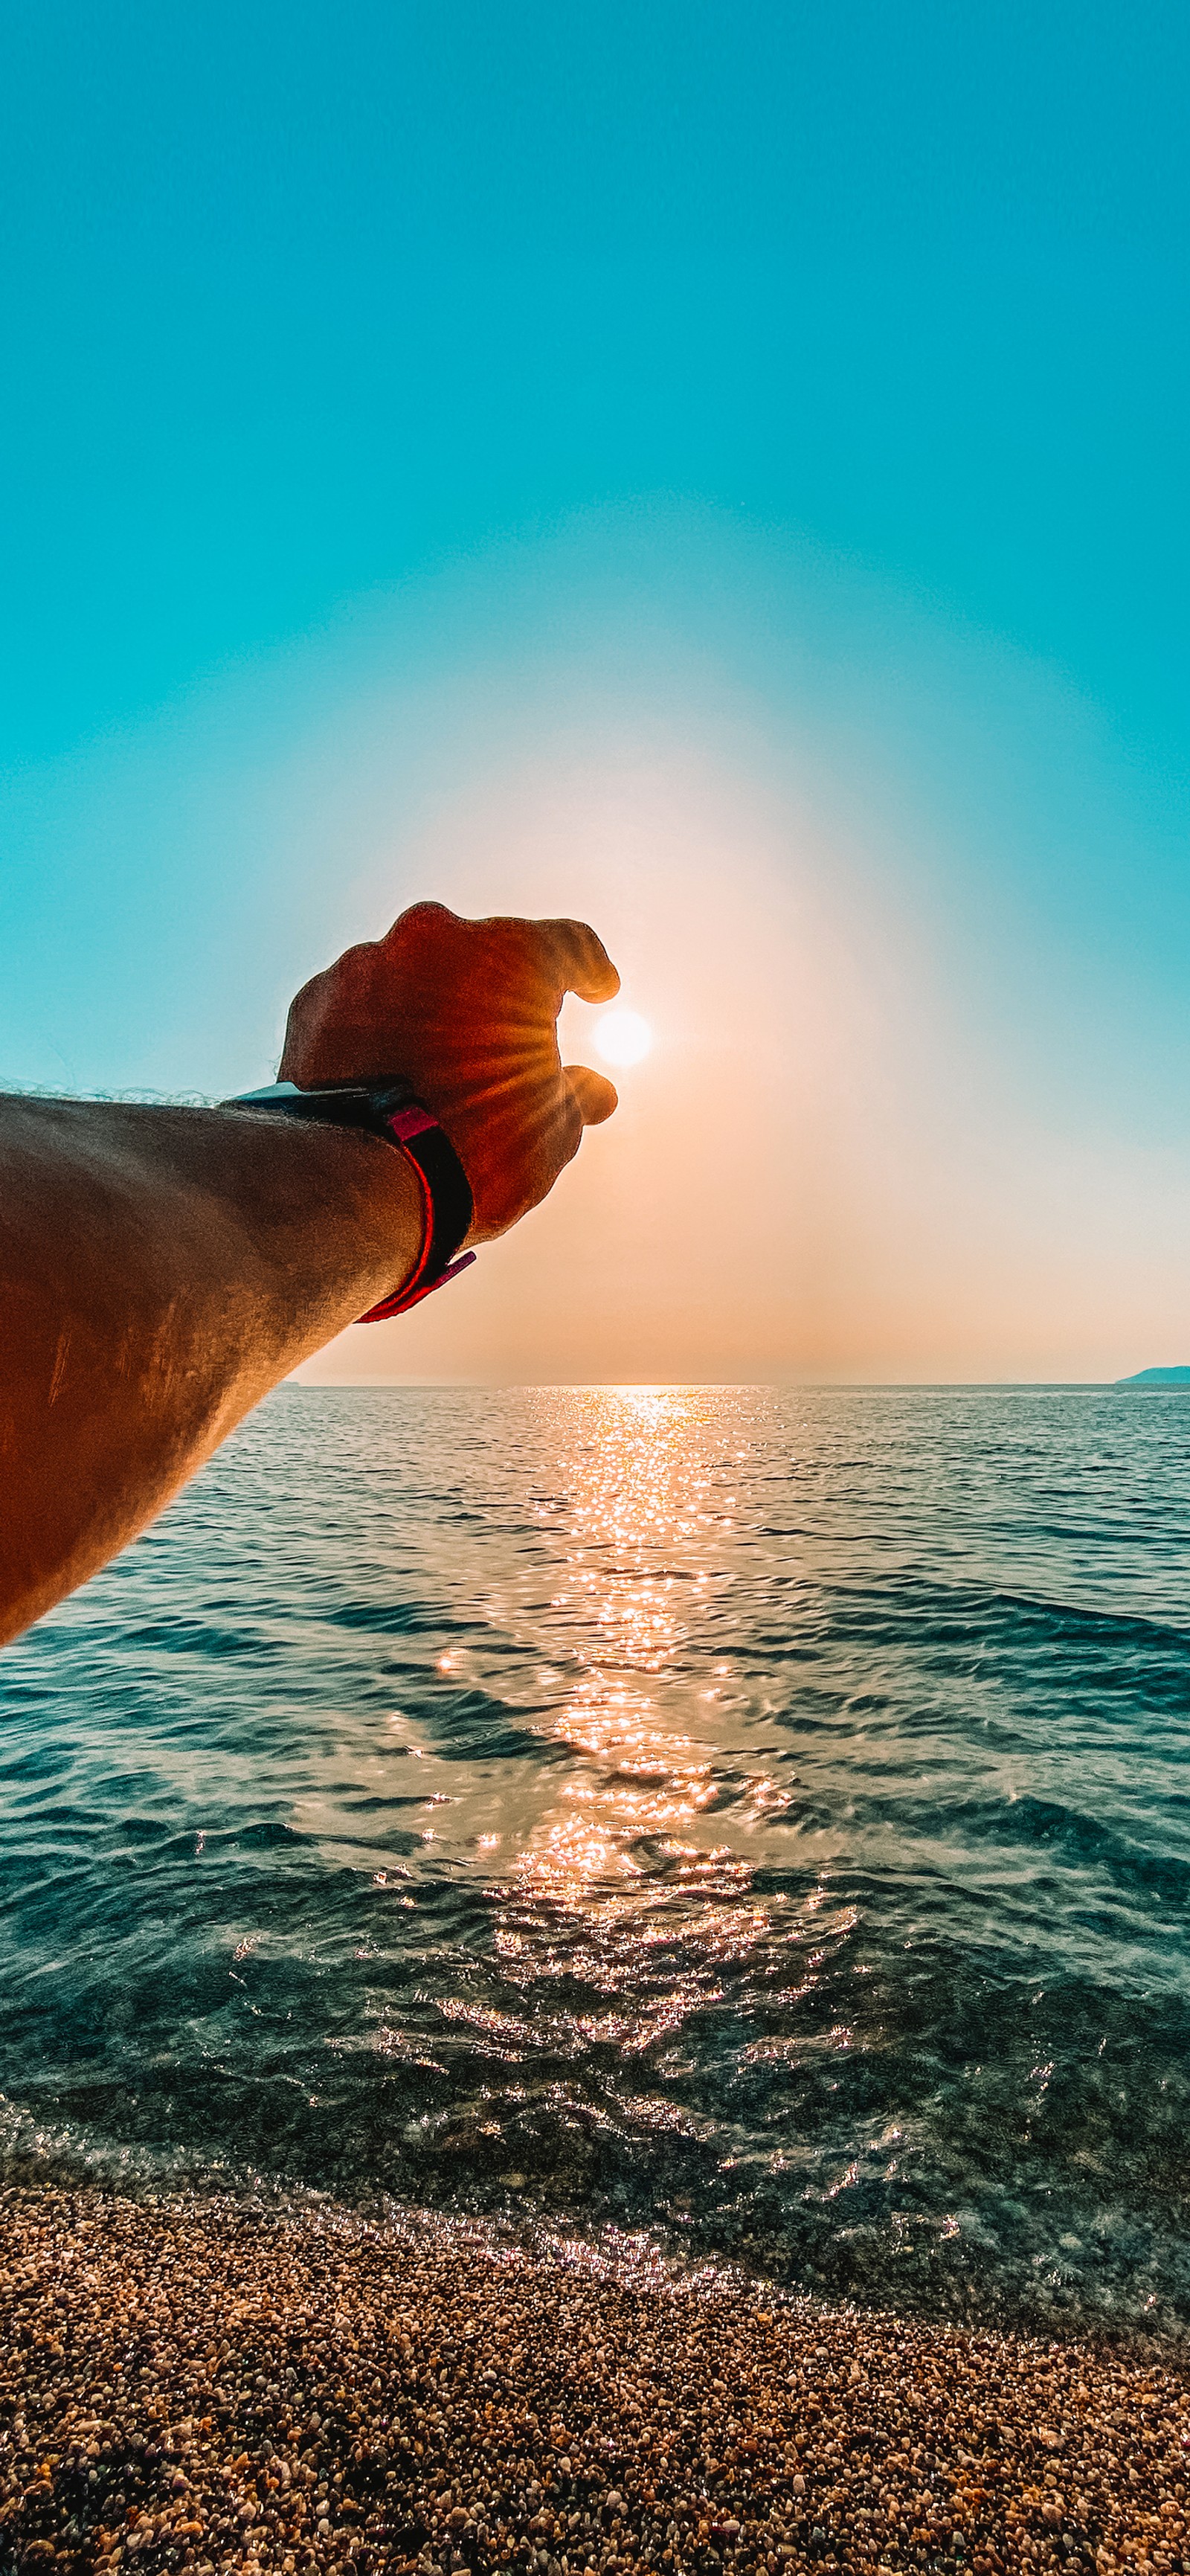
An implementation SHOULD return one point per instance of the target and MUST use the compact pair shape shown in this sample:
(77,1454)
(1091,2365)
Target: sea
(751,1823)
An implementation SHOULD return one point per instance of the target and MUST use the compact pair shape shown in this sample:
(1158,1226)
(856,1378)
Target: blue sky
(298,300)
(812,379)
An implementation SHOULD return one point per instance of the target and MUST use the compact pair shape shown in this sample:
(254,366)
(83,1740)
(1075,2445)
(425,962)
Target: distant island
(1157,1377)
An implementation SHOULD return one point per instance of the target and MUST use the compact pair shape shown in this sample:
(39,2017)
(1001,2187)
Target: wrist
(333,1216)
(390,1111)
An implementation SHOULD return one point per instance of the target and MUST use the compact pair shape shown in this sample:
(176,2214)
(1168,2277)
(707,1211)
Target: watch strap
(391,1110)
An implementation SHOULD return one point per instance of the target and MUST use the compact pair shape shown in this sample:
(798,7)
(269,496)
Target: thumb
(596,1096)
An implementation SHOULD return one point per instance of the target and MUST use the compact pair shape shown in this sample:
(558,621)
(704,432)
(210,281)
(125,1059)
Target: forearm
(160,1269)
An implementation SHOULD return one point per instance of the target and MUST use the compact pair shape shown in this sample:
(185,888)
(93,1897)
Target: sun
(622,1037)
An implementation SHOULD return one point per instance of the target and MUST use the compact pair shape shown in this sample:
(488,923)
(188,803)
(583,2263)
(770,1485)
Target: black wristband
(391,1110)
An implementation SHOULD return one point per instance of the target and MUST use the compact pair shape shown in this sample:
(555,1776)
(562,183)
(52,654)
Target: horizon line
(807,1386)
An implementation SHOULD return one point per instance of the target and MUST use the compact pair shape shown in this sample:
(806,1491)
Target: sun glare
(622,1037)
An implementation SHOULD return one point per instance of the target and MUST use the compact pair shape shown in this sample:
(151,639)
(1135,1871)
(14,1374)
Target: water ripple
(758,1817)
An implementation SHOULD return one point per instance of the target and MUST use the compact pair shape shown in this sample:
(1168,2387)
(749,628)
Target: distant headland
(1157,1377)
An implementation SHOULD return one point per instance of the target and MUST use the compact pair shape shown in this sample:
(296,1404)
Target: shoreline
(196,2384)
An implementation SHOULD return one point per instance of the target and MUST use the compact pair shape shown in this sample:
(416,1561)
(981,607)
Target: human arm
(161,1269)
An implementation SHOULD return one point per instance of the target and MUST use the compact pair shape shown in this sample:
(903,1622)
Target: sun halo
(622,1037)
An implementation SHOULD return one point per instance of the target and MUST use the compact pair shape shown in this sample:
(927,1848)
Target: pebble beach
(207,2385)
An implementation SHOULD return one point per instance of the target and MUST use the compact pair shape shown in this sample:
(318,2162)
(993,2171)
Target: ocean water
(756,1820)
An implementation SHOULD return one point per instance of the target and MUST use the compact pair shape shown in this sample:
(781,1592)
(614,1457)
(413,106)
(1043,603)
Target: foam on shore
(203,2384)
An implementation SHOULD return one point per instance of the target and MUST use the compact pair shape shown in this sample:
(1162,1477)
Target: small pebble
(199,2386)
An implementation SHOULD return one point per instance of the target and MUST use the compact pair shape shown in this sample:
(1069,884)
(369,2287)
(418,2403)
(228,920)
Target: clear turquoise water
(759,1818)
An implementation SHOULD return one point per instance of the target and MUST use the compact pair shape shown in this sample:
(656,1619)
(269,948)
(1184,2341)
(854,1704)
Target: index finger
(581,960)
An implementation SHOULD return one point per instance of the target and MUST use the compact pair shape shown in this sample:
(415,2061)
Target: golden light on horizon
(622,1037)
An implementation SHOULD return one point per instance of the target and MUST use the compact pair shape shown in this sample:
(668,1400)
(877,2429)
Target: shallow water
(758,1817)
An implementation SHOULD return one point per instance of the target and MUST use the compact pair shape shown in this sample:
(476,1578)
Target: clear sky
(719,467)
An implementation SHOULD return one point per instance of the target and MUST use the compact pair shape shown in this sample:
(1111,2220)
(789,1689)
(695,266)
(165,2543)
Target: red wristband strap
(424,1144)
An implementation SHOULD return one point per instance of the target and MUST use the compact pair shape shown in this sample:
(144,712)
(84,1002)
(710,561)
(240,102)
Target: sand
(197,2383)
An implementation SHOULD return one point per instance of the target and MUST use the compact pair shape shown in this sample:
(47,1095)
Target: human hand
(466,1011)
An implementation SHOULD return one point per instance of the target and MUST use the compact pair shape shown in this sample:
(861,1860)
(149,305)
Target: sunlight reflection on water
(754,1815)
